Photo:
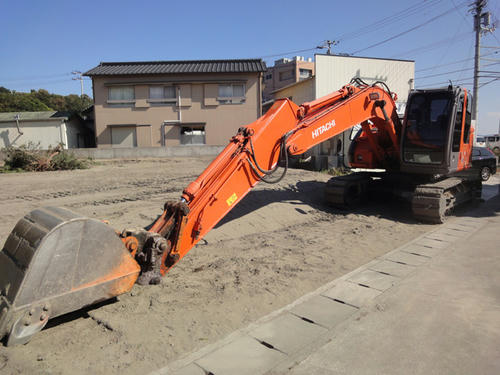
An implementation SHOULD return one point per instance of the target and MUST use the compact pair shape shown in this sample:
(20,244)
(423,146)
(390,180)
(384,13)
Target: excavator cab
(436,136)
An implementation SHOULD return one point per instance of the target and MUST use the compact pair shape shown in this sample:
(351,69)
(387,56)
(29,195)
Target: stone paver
(243,356)
(442,236)
(453,232)
(470,219)
(310,370)
(352,293)
(422,250)
(393,268)
(323,311)
(288,333)
(406,258)
(431,243)
(468,222)
(191,369)
(460,227)
(374,279)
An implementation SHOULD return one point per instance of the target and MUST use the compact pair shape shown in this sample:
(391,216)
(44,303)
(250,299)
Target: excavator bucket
(55,262)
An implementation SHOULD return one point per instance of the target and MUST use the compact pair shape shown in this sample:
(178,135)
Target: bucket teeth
(54,262)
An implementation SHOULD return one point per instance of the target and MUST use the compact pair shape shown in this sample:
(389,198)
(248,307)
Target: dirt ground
(279,243)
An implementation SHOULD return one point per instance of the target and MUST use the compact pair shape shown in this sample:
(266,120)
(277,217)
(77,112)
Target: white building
(48,128)
(334,71)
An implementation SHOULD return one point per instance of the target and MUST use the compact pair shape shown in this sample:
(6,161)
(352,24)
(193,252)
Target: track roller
(347,191)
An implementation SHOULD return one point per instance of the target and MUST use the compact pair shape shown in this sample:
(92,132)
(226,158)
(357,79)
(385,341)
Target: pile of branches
(30,157)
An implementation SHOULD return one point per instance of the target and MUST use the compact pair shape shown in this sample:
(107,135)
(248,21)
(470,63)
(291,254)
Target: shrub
(24,157)
(30,157)
(67,160)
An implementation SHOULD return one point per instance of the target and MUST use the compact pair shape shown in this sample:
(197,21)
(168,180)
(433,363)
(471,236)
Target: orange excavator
(55,261)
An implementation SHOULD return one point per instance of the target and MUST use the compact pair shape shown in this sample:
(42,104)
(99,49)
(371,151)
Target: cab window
(457,131)
(468,116)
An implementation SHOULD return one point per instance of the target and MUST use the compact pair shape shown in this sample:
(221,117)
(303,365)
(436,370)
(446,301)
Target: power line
(289,53)
(458,11)
(460,80)
(449,45)
(487,83)
(442,74)
(387,21)
(429,47)
(35,77)
(406,31)
(46,83)
(453,63)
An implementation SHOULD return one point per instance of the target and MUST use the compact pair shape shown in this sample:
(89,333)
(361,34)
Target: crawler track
(430,202)
(347,191)
(433,201)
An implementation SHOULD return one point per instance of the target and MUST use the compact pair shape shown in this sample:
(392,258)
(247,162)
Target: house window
(231,93)
(162,94)
(305,73)
(193,135)
(269,76)
(121,95)
(287,74)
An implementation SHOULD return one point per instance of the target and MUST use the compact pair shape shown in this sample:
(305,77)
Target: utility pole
(328,44)
(78,77)
(481,26)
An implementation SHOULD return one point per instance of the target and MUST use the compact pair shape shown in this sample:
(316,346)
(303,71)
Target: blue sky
(43,41)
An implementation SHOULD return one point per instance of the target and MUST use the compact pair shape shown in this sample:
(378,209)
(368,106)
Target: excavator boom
(254,153)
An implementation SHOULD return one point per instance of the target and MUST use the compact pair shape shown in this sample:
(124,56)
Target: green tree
(41,100)
(19,102)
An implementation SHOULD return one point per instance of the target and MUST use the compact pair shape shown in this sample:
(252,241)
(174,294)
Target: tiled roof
(176,67)
(33,116)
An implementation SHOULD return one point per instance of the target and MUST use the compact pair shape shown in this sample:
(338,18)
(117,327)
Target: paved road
(429,307)
(443,319)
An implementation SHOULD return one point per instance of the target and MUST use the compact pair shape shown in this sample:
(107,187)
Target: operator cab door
(436,135)
(461,145)
(425,139)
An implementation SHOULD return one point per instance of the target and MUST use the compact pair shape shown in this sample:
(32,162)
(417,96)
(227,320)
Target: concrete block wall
(147,152)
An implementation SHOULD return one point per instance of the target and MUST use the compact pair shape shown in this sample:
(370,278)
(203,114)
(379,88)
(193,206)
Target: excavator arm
(55,261)
(256,151)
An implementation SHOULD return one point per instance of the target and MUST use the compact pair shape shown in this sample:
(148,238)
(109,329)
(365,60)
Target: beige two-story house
(171,103)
